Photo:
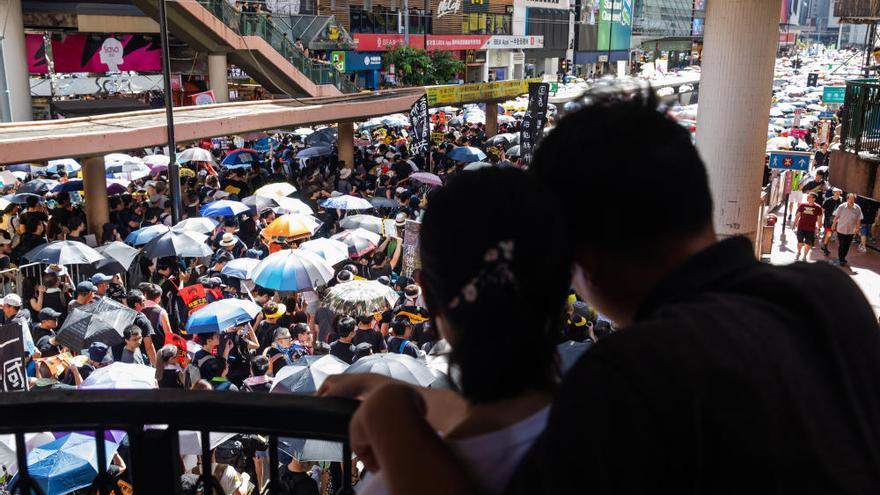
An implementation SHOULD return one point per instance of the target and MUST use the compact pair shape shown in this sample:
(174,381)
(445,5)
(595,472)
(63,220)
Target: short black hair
(364,319)
(620,145)
(345,326)
(399,325)
(134,297)
(299,329)
(131,330)
(259,365)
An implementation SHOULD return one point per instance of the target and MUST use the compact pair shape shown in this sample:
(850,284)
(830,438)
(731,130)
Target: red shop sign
(384,42)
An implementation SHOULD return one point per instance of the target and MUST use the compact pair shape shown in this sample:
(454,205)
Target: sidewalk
(864,268)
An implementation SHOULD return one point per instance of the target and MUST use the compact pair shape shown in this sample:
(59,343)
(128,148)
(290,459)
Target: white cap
(12,300)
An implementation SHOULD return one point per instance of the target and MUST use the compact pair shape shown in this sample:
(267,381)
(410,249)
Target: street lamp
(173,166)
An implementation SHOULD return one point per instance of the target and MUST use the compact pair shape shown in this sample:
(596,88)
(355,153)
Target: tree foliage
(415,67)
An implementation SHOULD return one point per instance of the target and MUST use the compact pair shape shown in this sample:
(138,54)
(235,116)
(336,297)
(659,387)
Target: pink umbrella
(427,178)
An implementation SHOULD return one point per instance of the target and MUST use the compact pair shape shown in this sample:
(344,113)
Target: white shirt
(491,457)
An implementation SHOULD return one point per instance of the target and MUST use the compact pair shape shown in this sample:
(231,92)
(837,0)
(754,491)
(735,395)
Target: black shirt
(296,483)
(372,337)
(736,377)
(342,350)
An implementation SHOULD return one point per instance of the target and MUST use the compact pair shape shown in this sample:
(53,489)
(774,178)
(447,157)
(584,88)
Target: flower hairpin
(496,271)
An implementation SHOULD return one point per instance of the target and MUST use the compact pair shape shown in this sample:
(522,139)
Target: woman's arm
(398,247)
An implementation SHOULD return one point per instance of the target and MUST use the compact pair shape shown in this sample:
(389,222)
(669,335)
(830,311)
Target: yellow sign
(456,94)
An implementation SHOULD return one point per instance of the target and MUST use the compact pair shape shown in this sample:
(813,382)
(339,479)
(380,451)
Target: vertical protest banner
(421,130)
(12,358)
(532,126)
(410,250)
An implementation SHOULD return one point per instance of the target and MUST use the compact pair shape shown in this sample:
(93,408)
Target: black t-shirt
(829,206)
(342,350)
(372,337)
(397,346)
(265,334)
(239,452)
(735,377)
(296,483)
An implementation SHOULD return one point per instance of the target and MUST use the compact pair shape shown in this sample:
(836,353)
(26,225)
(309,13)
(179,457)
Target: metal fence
(860,118)
(154,462)
(23,279)
(258,24)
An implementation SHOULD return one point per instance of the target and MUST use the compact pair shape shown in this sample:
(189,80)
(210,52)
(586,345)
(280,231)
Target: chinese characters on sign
(12,358)
(533,121)
(411,260)
(418,117)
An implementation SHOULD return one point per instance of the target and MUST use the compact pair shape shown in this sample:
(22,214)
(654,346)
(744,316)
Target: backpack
(232,453)
(193,372)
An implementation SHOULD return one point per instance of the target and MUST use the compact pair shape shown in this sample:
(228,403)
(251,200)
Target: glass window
(484,23)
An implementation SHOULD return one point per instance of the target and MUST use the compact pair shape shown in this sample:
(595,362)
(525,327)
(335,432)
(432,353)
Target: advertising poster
(615,25)
(103,53)
(36,53)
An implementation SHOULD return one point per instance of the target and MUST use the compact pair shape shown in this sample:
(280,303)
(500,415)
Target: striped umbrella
(360,297)
(292,270)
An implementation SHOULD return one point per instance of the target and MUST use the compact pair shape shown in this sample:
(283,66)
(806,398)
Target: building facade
(668,31)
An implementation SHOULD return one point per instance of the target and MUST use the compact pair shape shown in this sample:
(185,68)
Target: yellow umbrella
(291,225)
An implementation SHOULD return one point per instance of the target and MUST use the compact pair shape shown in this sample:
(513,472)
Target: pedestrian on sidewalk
(829,206)
(847,219)
(807,221)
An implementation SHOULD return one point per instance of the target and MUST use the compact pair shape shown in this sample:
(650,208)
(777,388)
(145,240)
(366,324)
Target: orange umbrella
(292,225)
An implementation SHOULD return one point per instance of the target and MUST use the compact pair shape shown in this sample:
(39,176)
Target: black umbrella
(64,253)
(38,186)
(381,202)
(101,321)
(180,244)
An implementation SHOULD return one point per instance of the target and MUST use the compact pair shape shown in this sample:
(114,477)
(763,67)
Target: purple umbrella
(427,178)
(114,436)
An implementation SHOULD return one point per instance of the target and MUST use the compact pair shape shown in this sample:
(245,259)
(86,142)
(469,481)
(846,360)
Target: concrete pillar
(95,189)
(491,118)
(346,143)
(15,85)
(217,77)
(735,107)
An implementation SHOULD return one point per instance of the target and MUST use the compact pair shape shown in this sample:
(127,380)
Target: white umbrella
(114,159)
(240,268)
(292,205)
(346,202)
(120,376)
(303,131)
(359,241)
(156,160)
(201,225)
(68,164)
(195,155)
(278,189)
(367,222)
(479,165)
(331,250)
(398,366)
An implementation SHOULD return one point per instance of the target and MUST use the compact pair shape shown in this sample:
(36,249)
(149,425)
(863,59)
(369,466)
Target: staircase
(251,42)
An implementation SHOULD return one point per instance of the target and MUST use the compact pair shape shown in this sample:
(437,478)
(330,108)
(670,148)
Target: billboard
(615,25)
(106,53)
(36,53)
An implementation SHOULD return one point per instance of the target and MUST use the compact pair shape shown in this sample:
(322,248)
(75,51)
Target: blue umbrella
(222,315)
(265,144)
(241,158)
(20,167)
(143,236)
(313,151)
(223,208)
(240,268)
(292,270)
(69,186)
(66,464)
(21,198)
(466,154)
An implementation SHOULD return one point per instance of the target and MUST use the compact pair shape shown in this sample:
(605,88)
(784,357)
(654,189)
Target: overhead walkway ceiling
(47,140)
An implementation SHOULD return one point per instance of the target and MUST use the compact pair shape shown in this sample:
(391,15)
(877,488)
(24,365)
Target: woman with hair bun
(495,275)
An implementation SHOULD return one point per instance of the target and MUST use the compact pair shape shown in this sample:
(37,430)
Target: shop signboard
(532,126)
(833,94)
(475,5)
(357,61)
(203,98)
(826,115)
(513,42)
(615,25)
(789,160)
(337,58)
(35,49)
(471,92)
(369,42)
(106,53)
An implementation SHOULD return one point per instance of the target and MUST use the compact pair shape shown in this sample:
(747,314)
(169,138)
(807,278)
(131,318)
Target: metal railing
(258,24)
(155,462)
(860,118)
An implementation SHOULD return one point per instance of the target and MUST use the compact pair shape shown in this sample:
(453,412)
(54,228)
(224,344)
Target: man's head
(102,282)
(99,354)
(153,292)
(365,322)
(259,365)
(85,292)
(132,336)
(401,327)
(135,300)
(851,199)
(302,333)
(272,310)
(11,305)
(616,269)
(811,198)
(48,318)
(346,327)
(282,337)
(820,175)
(835,193)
